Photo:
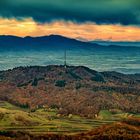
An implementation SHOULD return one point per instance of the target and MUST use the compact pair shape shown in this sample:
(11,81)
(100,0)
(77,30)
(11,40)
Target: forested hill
(72,90)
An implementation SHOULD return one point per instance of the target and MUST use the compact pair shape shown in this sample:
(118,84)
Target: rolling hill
(72,90)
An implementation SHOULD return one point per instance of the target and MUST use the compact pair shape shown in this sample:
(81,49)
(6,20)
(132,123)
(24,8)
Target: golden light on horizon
(84,31)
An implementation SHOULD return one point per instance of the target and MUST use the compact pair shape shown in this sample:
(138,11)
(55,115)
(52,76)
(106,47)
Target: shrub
(98,78)
(60,83)
(35,82)
(78,85)
(24,105)
(54,106)
(1,115)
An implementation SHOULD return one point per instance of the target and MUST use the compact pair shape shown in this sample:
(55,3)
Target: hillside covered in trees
(72,90)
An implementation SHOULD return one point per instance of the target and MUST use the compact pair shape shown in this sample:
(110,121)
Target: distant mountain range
(117,43)
(52,42)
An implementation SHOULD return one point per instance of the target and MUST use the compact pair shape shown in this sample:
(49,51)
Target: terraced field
(47,120)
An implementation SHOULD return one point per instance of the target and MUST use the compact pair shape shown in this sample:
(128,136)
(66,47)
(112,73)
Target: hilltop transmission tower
(65,58)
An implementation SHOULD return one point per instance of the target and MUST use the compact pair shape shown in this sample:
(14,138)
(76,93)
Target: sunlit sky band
(86,31)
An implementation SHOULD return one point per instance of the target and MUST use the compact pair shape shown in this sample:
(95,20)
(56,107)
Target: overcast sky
(82,19)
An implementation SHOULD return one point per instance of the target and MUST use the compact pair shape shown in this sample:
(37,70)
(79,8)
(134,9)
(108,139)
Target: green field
(48,120)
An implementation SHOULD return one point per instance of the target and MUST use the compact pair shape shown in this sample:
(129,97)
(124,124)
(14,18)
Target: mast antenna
(65,58)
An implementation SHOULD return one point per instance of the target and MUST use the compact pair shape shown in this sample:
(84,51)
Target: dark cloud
(125,12)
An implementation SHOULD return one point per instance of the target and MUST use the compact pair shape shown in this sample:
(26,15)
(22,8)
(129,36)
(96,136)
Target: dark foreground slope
(72,90)
(125,130)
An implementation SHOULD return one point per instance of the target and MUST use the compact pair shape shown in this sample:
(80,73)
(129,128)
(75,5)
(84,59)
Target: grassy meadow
(42,120)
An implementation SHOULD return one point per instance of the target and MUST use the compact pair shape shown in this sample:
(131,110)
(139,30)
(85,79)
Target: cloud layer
(126,12)
(85,31)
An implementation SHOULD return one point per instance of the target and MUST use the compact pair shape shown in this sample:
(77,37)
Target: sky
(116,20)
